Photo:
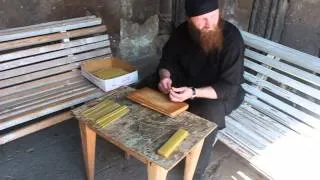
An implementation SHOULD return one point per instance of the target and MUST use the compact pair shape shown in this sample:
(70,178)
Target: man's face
(206,22)
(205,29)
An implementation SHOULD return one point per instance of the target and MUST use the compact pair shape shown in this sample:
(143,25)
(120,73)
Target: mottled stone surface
(143,130)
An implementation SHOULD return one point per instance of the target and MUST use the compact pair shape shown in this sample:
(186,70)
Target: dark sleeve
(169,57)
(231,69)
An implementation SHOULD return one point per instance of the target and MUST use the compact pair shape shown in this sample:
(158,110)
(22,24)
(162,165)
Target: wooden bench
(280,117)
(39,73)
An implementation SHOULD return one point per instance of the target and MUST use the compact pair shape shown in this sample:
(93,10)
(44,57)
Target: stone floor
(55,154)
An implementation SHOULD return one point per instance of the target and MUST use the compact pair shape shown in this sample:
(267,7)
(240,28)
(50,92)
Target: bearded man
(202,64)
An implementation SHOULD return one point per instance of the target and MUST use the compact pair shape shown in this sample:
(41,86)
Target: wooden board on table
(157,101)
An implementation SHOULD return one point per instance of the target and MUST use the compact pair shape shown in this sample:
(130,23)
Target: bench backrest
(284,78)
(40,51)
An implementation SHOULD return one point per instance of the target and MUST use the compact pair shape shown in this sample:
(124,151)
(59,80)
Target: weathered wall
(302,26)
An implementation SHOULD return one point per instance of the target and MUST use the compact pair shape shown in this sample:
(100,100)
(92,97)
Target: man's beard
(210,40)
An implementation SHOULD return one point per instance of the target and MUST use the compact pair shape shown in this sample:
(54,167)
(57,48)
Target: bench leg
(156,172)
(192,160)
(88,139)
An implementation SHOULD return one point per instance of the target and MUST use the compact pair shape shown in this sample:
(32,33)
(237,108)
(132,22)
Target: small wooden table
(141,132)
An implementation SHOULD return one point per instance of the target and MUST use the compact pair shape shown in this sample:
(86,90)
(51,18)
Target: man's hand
(165,85)
(180,94)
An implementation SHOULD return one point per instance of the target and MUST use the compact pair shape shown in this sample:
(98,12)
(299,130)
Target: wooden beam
(35,127)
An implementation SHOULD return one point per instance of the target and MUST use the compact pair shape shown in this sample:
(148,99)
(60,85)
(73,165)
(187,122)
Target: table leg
(156,172)
(192,160)
(88,139)
(126,155)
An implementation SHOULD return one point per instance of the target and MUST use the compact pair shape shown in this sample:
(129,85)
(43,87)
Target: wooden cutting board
(157,101)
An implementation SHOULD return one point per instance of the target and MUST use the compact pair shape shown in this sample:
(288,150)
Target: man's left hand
(180,94)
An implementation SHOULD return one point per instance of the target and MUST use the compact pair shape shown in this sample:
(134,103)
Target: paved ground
(55,154)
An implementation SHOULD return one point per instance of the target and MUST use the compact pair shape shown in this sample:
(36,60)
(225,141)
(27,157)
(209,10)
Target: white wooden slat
(306,118)
(266,121)
(238,148)
(38,83)
(283,79)
(50,48)
(279,116)
(241,136)
(51,55)
(43,25)
(53,63)
(288,54)
(253,125)
(20,96)
(47,29)
(39,74)
(305,103)
(51,108)
(47,101)
(34,99)
(259,142)
(306,76)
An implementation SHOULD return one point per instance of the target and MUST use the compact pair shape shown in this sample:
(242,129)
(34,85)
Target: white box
(107,85)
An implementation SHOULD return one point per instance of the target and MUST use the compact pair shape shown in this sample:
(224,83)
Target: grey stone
(137,39)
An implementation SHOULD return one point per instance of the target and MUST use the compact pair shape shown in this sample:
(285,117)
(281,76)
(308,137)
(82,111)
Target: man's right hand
(165,85)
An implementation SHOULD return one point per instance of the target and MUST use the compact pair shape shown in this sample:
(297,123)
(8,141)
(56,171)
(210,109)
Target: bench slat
(54,97)
(305,103)
(53,63)
(255,126)
(50,108)
(47,28)
(281,117)
(308,77)
(283,79)
(306,118)
(51,55)
(50,48)
(34,85)
(39,74)
(39,90)
(234,145)
(283,52)
(35,98)
(51,37)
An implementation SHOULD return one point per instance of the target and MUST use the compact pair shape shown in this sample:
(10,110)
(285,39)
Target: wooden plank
(88,141)
(37,75)
(253,125)
(39,97)
(50,108)
(281,117)
(44,102)
(51,55)
(308,77)
(39,90)
(283,79)
(192,161)
(53,63)
(50,48)
(288,54)
(302,116)
(303,102)
(51,37)
(47,28)
(48,122)
(157,101)
(38,83)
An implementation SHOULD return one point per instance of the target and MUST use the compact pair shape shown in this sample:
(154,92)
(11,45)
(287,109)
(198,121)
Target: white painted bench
(278,125)
(39,73)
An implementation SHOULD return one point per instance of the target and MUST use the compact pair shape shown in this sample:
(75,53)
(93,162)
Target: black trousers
(212,110)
